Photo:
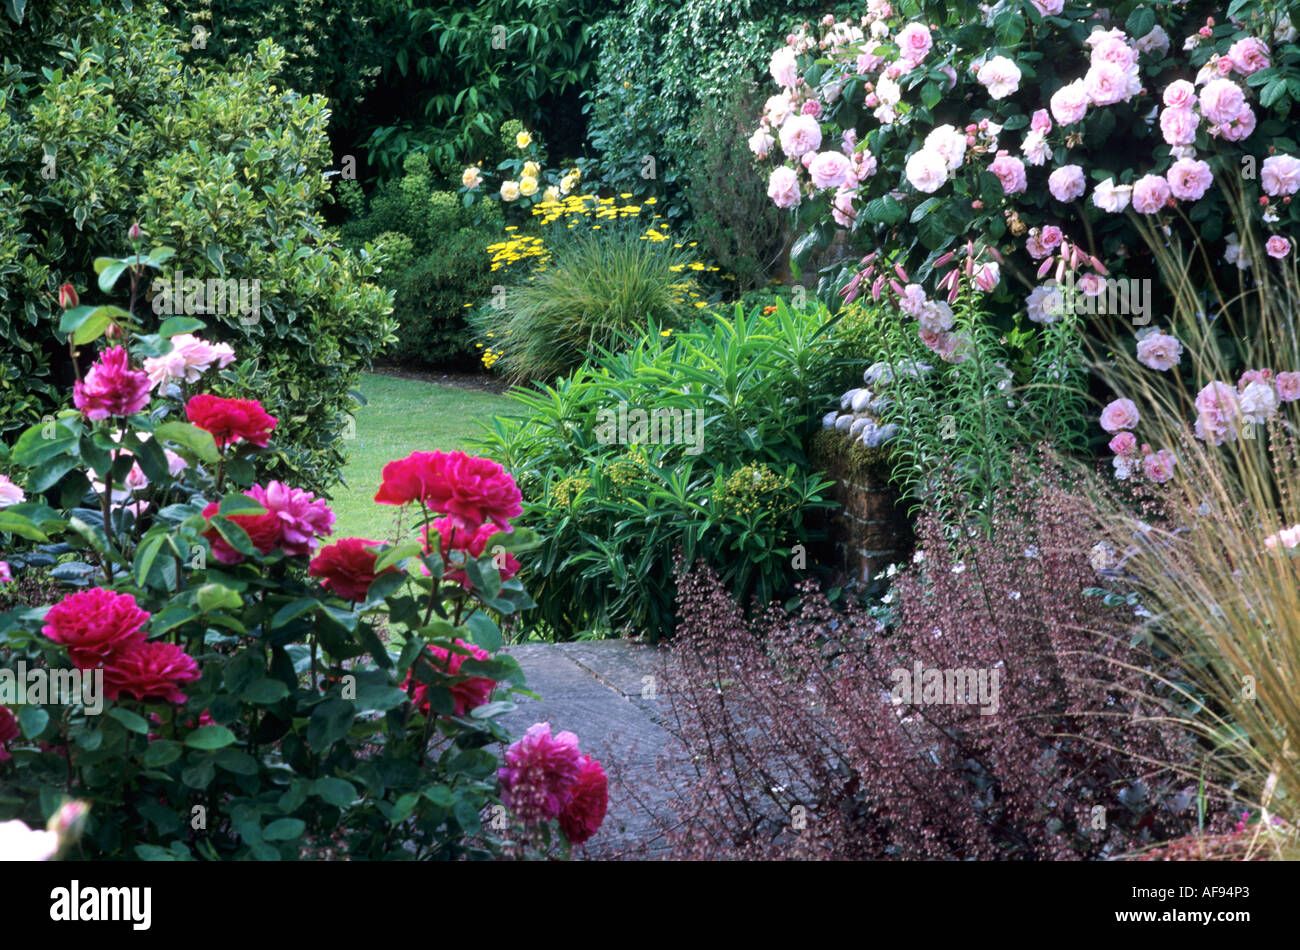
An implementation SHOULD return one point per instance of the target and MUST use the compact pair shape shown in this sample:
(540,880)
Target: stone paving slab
(598,690)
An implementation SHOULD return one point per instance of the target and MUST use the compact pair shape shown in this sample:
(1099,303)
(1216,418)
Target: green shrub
(110,119)
(614,507)
(733,218)
(432,295)
(596,291)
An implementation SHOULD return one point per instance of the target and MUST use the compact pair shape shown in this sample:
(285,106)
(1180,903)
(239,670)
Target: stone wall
(870,529)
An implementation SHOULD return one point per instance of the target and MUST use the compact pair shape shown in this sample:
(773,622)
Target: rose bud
(68,296)
(134,233)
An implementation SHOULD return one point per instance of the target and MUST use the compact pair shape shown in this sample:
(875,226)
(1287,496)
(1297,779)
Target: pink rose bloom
(10,494)
(914,42)
(912,299)
(1159,466)
(842,208)
(761,142)
(1040,122)
(1287,537)
(1288,386)
(1066,183)
(811,107)
(1150,192)
(951,74)
(829,169)
(926,171)
(1010,172)
(1213,428)
(800,135)
(1036,149)
(1119,414)
(1108,83)
(848,141)
(1280,175)
(864,165)
(303,517)
(1239,128)
(783,187)
(1124,443)
(1189,179)
(1249,55)
(936,317)
(6,577)
(1159,351)
(1000,76)
(111,387)
(784,67)
(1221,100)
(1034,245)
(1111,197)
(1180,94)
(1255,376)
(539,773)
(150,671)
(1069,104)
(1178,125)
(1091,285)
(1277,246)
(1049,7)
(868,63)
(777,108)
(1218,397)
(189,358)
(1051,236)
(1115,51)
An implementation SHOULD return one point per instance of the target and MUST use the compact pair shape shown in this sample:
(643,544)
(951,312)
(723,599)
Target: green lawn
(402,416)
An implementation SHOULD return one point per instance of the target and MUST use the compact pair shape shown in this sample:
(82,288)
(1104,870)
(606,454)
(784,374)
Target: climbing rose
(926,171)
(1123,443)
(1010,171)
(1280,175)
(20,843)
(1111,197)
(94,625)
(829,169)
(468,694)
(1150,192)
(1221,100)
(10,494)
(150,671)
(783,187)
(303,517)
(111,387)
(1277,246)
(1179,94)
(1248,55)
(914,42)
(346,568)
(1288,386)
(761,142)
(1066,183)
(1050,7)
(1178,125)
(589,800)
(189,358)
(1119,414)
(539,772)
(1069,104)
(230,420)
(1159,351)
(1159,466)
(800,134)
(784,67)
(1000,76)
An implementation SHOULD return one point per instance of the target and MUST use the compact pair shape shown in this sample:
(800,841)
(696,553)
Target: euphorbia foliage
(267,692)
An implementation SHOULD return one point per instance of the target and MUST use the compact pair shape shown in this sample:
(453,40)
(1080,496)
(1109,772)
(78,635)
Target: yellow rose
(471,177)
(528,187)
(532,170)
(509,190)
(576,173)
(551,194)
(523,140)
(566,185)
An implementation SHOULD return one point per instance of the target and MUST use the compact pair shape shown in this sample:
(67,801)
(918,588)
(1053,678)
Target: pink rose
(1178,125)
(761,142)
(1010,172)
(783,187)
(1280,175)
(914,42)
(1069,104)
(1108,83)
(1150,193)
(784,67)
(912,300)
(1189,179)
(1051,236)
(1124,443)
(1277,246)
(1159,466)
(811,107)
(800,135)
(1159,351)
(1119,414)
(1288,386)
(1066,183)
(842,207)
(1115,51)
(1249,55)
(1221,100)
(1111,197)
(1040,122)
(926,171)
(828,169)
(1218,397)
(1180,94)
(1049,7)
(1000,76)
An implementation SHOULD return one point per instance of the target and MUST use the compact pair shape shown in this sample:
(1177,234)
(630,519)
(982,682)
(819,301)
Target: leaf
(330,722)
(13,523)
(1140,22)
(33,720)
(162,752)
(174,325)
(210,738)
(334,791)
(292,610)
(212,597)
(109,270)
(190,437)
(921,210)
(132,721)
(284,829)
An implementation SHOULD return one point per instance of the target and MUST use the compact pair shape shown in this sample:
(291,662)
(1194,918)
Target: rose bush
(268,694)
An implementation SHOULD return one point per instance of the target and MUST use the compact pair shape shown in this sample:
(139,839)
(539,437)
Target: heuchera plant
(1049,137)
(267,693)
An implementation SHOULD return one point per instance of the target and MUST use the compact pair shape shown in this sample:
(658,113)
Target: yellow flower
(551,194)
(532,170)
(527,186)
(665,332)
(523,140)
(471,177)
(509,190)
(650,201)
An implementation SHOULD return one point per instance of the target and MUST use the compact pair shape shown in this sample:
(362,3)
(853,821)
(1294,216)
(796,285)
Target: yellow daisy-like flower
(665,332)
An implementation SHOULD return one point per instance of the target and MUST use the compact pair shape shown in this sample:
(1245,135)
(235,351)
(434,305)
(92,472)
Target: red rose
(588,800)
(150,671)
(8,732)
(94,625)
(472,544)
(347,568)
(470,489)
(67,296)
(468,693)
(263,530)
(231,419)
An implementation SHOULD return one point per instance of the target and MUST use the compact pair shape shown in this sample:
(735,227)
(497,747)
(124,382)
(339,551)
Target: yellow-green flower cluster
(568,490)
(752,489)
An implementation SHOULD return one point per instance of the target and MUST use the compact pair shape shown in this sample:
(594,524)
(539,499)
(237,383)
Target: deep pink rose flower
(470,489)
(111,387)
(468,694)
(94,625)
(303,517)
(588,802)
(539,772)
(150,671)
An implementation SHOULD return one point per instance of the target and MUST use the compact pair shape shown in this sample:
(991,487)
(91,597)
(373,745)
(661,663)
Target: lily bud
(902,274)
(897,287)
(1044,267)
